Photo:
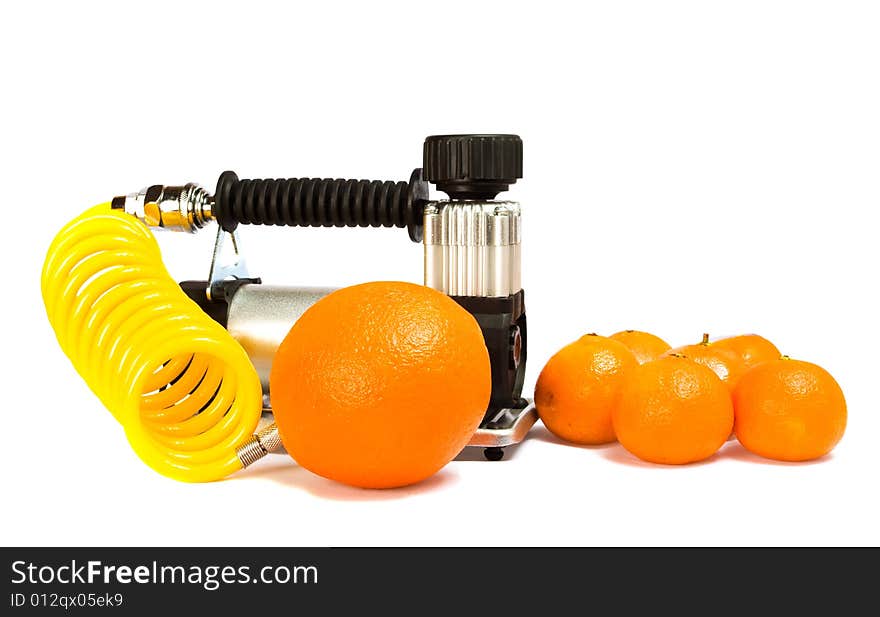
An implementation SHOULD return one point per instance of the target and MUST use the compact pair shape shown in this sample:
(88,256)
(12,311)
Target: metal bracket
(506,428)
(225,263)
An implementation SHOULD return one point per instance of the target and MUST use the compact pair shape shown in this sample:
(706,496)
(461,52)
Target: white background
(689,167)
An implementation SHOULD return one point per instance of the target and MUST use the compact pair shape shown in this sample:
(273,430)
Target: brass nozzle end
(262,443)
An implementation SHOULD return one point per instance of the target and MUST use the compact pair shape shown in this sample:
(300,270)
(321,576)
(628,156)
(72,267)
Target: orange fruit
(673,411)
(727,364)
(789,410)
(645,346)
(580,385)
(380,385)
(752,348)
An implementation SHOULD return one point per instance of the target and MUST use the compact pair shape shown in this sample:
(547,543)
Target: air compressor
(134,336)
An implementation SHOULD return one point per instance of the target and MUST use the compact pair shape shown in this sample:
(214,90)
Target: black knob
(473,166)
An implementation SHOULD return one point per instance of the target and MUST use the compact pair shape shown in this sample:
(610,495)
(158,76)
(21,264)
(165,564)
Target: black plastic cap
(473,166)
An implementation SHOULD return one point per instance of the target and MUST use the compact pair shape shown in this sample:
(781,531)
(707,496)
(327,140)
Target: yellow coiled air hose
(183,388)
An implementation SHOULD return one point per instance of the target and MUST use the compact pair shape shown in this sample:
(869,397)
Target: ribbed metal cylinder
(472,248)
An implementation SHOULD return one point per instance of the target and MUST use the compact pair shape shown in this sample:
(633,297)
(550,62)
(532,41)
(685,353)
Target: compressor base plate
(506,427)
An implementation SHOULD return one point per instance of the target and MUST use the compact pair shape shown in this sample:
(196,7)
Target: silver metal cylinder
(260,316)
(472,248)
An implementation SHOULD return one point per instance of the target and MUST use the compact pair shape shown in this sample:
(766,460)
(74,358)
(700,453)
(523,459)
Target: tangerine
(673,411)
(789,410)
(579,386)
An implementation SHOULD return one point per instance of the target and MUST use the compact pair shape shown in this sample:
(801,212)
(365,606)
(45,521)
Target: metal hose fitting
(262,443)
(178,208)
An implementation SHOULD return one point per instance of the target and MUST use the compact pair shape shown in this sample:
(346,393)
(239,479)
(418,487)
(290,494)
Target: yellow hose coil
(182,387)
